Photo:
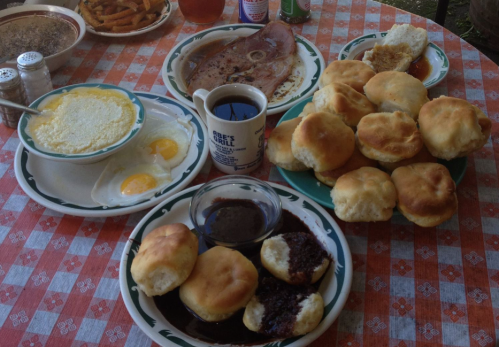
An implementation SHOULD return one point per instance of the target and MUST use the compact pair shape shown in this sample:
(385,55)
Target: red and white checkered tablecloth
(411,286)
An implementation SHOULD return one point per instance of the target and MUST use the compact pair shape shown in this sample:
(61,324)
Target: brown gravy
(232,330)
(419,68)
(43,34)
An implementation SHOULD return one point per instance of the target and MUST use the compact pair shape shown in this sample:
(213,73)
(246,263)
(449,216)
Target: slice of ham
(263,60)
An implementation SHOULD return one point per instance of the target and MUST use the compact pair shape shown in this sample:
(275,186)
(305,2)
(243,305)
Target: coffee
(235,108)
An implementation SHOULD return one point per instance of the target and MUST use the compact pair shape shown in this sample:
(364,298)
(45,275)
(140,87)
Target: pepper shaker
(34,74)
(11,89)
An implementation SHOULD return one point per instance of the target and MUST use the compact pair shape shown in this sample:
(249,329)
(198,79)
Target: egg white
(179,131)
(107,189)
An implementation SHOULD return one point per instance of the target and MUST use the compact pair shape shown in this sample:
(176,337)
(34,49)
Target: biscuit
(415,38)
(296,258)
(278,147)
(323,142)
(356,161)
(423,156)
(308,109)
(165,259)
(388,137)
(364,195)
(282,310)
(453,128)
(394,91)
(388,58)
(221,283)
(350,72)
(344,102)
(426,193)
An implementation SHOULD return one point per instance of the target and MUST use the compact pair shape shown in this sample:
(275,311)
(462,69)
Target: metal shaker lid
(30,61)
(8,78)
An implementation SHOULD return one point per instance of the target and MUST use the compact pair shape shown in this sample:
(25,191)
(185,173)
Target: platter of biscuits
(369,141)
(402,49)
(181,289)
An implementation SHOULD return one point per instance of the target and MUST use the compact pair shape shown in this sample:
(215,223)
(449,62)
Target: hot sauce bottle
(254,11)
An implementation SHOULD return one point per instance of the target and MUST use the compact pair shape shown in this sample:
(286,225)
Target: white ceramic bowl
(53,61)
(334,286)
(83,158)
(435,55)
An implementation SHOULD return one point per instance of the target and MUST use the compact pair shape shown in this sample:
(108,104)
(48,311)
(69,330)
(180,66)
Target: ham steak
(263,60)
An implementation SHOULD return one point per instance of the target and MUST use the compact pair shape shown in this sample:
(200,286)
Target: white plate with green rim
(80,158)
(307,69)
(334,288)
(66,188)
(165,14)
(435,55)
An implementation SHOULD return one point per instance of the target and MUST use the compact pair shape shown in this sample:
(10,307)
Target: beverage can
(254,11)
(295,11)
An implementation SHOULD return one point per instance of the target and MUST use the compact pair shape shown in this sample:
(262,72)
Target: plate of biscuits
(182,290)
(368,142)
(402,48)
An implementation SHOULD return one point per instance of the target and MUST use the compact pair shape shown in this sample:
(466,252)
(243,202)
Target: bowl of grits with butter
(82,123)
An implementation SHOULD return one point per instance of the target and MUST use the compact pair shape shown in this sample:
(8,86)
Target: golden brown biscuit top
(365,178)
(396,133)
(344,101)
(425,188)
(353,73)
(448,117)
(221,278)
(325,135)
(281,135)
(398,89)
(164,239)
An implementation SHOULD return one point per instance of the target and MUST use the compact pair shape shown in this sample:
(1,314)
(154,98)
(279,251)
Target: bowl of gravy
(50,30)
(235,211)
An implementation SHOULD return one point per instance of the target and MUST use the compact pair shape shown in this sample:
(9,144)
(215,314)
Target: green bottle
(295,11)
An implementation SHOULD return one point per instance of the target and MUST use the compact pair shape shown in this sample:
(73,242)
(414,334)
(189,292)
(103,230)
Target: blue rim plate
(334,288)
(306,183)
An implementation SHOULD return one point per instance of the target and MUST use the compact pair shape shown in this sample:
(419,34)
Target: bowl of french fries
(123,17)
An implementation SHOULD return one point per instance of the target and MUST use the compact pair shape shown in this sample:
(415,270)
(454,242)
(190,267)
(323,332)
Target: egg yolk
(137,184)
(166,147)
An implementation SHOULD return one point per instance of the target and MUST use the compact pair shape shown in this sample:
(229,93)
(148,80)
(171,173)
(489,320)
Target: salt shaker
(11,89)
(34,74)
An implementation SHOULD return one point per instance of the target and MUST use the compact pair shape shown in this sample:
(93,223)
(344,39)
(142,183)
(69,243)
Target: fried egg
(168,144)
(128,179)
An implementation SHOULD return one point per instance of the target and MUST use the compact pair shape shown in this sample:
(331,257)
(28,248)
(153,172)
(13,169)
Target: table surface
(411,286)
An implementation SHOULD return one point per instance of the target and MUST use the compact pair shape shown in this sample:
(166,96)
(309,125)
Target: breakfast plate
(306,70)
(334,287)
(163,17)
(435,55)
(66,187)
(306,182)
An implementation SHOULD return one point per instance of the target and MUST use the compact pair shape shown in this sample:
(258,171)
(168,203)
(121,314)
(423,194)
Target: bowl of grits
(82,123)
(50,30)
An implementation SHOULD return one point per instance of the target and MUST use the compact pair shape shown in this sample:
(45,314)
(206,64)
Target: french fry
(120,15)
(142,24)
(87,15)
(138,17)
(117,15)
(130,4)
(110,9)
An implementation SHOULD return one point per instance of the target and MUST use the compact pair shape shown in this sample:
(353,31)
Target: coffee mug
(236,146)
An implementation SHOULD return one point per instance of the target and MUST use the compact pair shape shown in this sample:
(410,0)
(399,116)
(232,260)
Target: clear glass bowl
(229,188)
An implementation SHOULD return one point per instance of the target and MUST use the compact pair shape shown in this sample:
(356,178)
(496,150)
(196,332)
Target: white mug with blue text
(236,147)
